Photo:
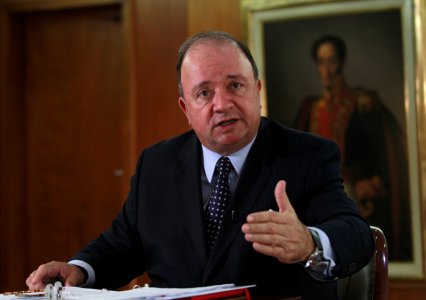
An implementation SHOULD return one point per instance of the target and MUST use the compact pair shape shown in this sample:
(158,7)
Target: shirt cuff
(90,272)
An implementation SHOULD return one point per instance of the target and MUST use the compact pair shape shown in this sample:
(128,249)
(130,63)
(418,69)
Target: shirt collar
(238,158)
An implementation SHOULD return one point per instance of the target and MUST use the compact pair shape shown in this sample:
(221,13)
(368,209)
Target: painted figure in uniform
(374,159)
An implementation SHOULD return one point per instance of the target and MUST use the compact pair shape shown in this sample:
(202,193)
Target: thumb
(281,197)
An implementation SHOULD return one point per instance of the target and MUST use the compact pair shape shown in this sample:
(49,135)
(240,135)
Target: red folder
(243,292)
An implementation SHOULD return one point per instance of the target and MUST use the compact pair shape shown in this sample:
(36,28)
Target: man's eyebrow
(236,76)
(197,86)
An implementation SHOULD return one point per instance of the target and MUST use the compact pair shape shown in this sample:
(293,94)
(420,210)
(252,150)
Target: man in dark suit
(281,219)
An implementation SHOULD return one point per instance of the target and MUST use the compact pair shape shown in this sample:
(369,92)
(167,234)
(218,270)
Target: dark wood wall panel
(65,107)
(77,113)
(222,15)
(12,150)
(160,29)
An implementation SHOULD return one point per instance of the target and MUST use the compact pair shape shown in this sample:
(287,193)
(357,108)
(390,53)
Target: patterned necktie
(219,199)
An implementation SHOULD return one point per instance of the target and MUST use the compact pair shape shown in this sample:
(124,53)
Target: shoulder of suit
(173,145)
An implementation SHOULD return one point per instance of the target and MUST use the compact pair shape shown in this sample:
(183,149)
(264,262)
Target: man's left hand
(280,234)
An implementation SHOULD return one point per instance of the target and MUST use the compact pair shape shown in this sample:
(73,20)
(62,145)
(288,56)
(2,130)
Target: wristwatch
(316,261)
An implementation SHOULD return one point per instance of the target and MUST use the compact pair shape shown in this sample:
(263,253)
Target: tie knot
(224,166)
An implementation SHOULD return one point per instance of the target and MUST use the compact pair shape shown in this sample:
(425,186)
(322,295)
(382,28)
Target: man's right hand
(69,275)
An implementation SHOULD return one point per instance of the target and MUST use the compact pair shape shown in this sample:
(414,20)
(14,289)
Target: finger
(35,279)
(46,273)
(281,197)
(28,282)
(265,228)
(33,284)
(266,239)
(263,216)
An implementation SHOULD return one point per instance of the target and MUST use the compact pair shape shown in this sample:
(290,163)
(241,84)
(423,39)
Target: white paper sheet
(141,293)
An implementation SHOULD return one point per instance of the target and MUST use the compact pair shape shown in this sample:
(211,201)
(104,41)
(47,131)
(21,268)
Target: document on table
(58,292)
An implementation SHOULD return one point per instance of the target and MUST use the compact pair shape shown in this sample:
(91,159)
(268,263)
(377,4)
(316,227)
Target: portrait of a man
(370,139)
(360,112)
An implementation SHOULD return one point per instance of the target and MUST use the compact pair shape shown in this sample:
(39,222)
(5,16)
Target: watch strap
(316,238)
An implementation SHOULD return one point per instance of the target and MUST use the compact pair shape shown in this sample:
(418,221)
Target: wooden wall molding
(37,5)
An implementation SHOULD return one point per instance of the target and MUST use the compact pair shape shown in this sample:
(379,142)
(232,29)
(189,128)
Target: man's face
(221,96)
(329,64)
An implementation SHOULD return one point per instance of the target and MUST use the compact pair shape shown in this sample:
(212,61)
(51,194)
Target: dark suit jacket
(160,229)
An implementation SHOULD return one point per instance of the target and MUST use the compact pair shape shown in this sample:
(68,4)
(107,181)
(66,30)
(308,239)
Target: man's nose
(222,100)
(328,68)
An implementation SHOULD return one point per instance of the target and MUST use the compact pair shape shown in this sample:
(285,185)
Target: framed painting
(353,72)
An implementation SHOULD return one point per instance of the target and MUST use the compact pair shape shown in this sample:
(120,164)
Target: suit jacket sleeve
(329,209)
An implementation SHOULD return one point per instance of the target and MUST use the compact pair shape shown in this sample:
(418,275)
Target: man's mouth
(228,122)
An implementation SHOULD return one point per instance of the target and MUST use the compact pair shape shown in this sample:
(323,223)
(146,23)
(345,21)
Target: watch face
(316,261)
(320,267)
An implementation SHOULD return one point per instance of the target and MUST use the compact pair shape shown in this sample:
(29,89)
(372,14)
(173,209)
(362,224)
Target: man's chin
(230,145)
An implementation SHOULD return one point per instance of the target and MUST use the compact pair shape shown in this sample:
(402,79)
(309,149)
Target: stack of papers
(57,292)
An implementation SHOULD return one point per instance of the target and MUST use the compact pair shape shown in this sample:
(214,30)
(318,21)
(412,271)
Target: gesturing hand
(280,234)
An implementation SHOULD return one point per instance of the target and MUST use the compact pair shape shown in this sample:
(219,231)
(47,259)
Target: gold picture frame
(277,31)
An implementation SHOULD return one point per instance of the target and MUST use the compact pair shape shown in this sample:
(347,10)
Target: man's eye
(236,85)
(203,94)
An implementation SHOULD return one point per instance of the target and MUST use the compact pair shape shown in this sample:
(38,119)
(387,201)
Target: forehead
(215,56)
(326,48)
(203,46)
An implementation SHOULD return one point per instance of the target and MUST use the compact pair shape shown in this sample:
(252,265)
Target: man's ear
(259,85)
(182,105)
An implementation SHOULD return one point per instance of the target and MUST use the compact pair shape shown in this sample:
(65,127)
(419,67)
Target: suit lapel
(188,169)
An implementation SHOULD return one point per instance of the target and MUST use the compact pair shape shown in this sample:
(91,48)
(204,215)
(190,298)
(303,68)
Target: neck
(336,89)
